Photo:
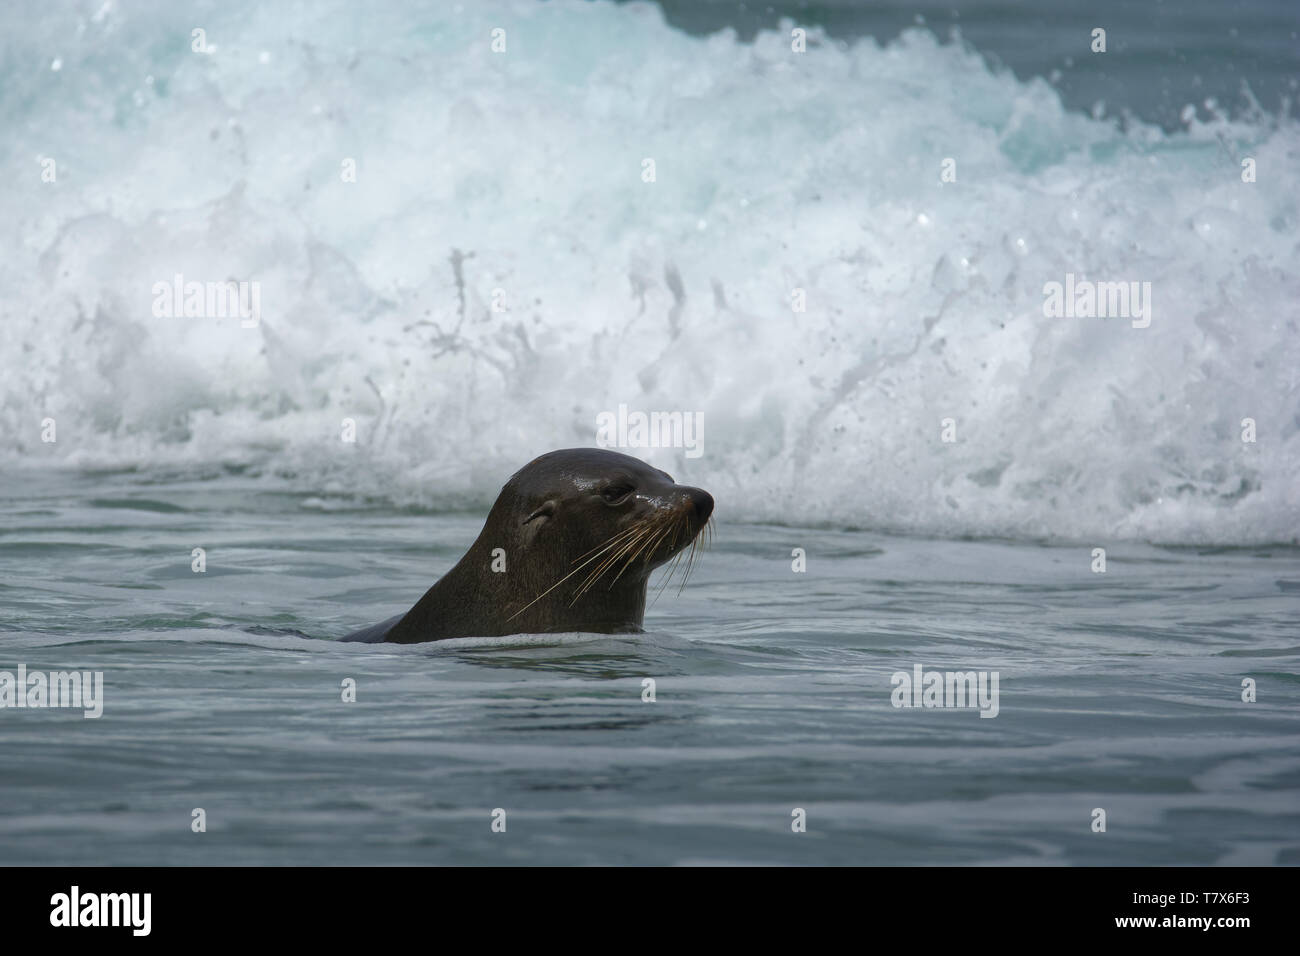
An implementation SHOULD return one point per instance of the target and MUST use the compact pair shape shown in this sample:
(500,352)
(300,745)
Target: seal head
(568,546)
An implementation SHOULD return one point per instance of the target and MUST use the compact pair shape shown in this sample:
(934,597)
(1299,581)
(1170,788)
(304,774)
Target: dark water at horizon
(1161,56)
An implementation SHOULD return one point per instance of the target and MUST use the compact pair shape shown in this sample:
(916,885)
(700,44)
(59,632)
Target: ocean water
(1119,691)
(497,273)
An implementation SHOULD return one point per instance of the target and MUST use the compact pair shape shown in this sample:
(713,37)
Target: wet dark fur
(578,552)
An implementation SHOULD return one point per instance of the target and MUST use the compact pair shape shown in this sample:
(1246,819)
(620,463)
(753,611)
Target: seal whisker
(678,527)
(648,548)
(610,560)
(653,529)
(599,551)
(599,572)
(672,569)
(608,541)
(690,565)
(655,545)
(596,573)
(615,547)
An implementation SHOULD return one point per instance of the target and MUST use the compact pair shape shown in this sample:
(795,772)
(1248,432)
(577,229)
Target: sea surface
(468,245)
(223,690)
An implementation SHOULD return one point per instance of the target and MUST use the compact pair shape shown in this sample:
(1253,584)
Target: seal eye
(616,492)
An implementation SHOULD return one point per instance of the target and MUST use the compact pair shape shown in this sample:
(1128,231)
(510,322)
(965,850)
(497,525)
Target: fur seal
(579,530)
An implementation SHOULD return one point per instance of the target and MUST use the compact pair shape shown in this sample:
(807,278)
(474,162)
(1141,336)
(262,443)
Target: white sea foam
(521,171)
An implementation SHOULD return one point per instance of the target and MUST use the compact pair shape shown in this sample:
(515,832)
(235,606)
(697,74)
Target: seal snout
(701,501)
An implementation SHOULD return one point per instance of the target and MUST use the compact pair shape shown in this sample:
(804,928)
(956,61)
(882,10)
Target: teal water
(1118,690)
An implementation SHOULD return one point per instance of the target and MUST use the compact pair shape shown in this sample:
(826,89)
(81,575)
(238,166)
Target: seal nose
(703,502)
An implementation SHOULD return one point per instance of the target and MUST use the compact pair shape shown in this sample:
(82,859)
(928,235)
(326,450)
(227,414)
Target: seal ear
(534,522)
